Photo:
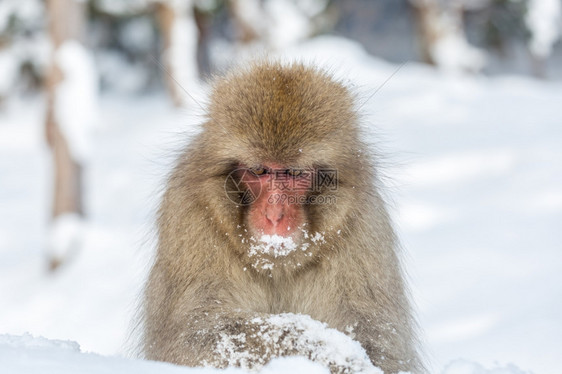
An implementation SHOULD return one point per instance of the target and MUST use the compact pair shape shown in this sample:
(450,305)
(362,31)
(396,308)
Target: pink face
(280,195)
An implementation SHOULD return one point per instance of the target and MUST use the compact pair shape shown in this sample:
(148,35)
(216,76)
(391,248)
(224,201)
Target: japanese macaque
(274,210)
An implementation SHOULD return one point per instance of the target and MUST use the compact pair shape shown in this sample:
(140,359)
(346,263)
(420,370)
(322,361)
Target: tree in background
(71,86)
(151,35)
(277,24)
(23,46)
(180,35)
(129,38)
(544,20)
(442,36)
(249,17)
(502,24)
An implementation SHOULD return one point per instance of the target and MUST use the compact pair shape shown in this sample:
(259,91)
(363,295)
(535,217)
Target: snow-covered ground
(27,354)
(474,169)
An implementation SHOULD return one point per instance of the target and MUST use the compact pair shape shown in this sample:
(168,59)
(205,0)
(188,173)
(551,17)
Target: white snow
(65,236)
(26,354)
(302,334)
(9,70)
(279,246)
(449,47)
(453,53)
(76,97)
(310,338)
(288,23)
(274,245)
(277,24)
(467,367)
(485,262)
(26,11)
(312,7)
(297,365)
(36,355)
(544,20)
(251,14)
(460,167)
(329,346)
(27,45)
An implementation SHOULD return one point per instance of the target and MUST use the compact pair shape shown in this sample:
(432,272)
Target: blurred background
(462,96)
(127,38)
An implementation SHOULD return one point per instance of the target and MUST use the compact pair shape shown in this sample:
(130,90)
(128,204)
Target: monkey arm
(373,311)
(373,324)
(223,337)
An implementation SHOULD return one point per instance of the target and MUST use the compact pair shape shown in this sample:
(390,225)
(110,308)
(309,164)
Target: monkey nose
(274,214)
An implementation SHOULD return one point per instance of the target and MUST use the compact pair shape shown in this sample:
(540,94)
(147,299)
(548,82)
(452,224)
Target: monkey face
(279,214)
(276,136)
(280,195)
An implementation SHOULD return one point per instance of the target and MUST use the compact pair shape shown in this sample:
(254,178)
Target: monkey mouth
(273,245)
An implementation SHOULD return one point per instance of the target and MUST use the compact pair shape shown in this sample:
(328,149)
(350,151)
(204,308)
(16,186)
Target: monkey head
(282,142)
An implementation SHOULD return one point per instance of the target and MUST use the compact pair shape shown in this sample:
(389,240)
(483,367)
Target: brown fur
(203,284)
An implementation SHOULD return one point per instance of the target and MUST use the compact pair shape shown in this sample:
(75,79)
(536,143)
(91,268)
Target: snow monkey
(274,209)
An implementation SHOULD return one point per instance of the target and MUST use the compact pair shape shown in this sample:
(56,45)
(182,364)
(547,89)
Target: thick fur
(203,283)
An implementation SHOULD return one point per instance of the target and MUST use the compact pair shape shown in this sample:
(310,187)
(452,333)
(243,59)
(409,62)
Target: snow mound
(26,354)
(29,341)
(294,365)
(288,332)
(467,367)
(332,347)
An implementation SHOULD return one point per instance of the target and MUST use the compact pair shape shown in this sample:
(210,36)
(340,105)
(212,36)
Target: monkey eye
(258,170)
(294,172)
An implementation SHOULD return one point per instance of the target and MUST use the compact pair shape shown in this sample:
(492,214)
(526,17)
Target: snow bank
(26,354)
(467,367)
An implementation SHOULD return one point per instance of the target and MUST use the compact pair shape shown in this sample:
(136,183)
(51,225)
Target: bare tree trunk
(442,37)
(181,40)
(66,21)
(247,15)
(166,17)
(427,15)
